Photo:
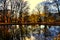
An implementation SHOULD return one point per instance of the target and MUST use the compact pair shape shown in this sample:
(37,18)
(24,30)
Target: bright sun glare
(33,4)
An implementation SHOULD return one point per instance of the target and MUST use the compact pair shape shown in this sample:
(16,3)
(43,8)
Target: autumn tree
(38,8)
(33,18)
(40,12)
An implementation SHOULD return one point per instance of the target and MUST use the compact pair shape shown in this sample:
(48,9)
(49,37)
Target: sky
(33,4)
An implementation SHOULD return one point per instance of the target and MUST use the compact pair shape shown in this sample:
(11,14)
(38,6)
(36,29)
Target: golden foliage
(43,14)
(50,19)
(33,18)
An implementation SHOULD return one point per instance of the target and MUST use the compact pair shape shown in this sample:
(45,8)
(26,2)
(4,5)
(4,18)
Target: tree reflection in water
(32,32)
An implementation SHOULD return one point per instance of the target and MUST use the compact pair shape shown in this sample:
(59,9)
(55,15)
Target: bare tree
(19,6)
(38,8)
